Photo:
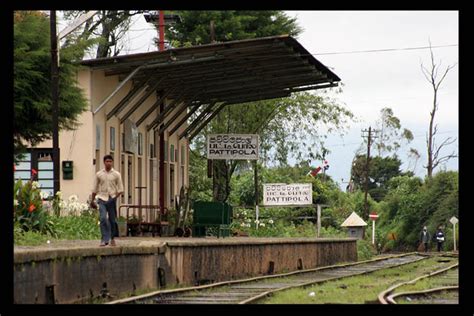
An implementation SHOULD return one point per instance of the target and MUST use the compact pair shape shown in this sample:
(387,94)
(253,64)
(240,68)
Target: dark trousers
(426,246)
(107,213)
(440,246)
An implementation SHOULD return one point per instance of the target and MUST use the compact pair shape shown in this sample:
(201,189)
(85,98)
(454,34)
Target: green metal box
(67,170)
(211,215)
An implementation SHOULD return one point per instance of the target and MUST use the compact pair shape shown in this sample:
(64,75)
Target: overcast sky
(374,80)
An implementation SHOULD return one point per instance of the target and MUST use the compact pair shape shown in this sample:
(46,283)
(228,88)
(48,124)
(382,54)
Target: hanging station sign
(287,194)
(232,146)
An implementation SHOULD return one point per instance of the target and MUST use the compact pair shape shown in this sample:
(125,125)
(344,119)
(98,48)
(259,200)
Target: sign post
(297,194)
(373,216)
(233,146)
(318,217)
(454,221)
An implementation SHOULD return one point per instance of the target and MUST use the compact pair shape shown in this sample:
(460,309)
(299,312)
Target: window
(183,155)
(112,138)
(152,151)
(140,144)
(97,137)
(42,161)
(23,168)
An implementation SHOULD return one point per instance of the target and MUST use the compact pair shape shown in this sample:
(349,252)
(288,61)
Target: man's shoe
(112,243)
(103,244)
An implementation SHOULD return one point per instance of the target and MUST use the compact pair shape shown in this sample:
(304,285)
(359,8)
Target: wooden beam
(197,119)
(139,102)
(165,112)
(153,107)
(184,119)
(130,76)
(206,121)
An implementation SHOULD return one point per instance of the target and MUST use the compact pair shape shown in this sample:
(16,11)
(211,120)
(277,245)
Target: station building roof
(220,74)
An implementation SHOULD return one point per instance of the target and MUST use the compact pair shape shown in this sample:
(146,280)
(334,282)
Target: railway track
(443,289)
(250,290)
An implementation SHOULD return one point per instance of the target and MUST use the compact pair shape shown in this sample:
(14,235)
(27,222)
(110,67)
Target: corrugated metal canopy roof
(229,72)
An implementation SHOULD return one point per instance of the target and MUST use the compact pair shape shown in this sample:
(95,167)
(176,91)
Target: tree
(194,28)
(32,82)
(287,127)
(390,132)
(432,76)
(107,27)
(381,170)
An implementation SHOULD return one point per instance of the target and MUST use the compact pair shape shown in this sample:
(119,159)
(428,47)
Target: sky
(374,80)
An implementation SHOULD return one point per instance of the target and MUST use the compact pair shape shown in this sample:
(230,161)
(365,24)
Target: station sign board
(233,146)
(287,194)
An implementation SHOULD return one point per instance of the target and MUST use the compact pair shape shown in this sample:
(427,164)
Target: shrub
(28,210)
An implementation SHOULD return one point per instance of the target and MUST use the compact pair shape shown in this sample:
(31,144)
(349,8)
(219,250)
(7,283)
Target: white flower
(73,198)
(262,224)
(35,184)
(257,221)
(248,220)
(243,225)
(312,294)
(59,194)
(15,202)
(270,221)
(247,225)
(44,195)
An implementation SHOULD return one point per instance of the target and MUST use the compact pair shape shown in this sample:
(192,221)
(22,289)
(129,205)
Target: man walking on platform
(107,187)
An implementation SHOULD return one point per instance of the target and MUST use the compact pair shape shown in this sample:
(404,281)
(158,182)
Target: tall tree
(32,82)
(433,76)
(390,132)
(195,26)
(107,27)
(287,127)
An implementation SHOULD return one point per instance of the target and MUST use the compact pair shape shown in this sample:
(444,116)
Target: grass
(361,289)
(84,227)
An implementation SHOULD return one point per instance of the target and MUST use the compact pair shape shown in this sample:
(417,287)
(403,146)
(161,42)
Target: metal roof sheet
(230,72)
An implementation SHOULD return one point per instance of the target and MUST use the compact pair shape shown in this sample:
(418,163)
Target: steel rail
(384,297)
(452,288)
(252,291)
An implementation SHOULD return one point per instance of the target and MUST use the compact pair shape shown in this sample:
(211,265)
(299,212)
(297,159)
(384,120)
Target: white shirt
(107,184)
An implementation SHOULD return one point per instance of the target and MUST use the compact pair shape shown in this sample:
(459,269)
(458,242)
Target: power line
(385,50)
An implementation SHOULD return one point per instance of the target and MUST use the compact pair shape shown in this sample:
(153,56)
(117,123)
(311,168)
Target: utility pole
(369,142)
(161,30)
(161,167)
(55,99)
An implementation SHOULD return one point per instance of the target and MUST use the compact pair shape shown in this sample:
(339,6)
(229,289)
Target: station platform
(73,271)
